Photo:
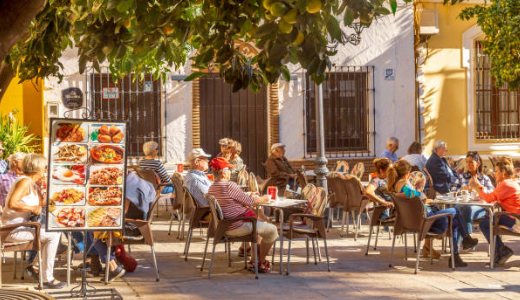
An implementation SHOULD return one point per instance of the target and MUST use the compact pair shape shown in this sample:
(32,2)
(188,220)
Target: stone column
(321,162)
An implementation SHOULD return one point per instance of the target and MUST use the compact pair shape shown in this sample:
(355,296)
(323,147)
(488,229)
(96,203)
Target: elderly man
(7,179)
(437,165)
(392,144)
(277,166)
(196,181)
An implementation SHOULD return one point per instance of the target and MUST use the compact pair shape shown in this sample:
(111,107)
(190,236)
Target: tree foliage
(158,36)
(500,22)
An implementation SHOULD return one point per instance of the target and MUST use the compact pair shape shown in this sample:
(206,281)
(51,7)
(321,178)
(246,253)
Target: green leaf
(194,75)
(393,5)
(382,11)
(349,17)
(124,5)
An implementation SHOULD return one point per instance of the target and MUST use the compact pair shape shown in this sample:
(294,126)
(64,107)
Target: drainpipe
(321,162)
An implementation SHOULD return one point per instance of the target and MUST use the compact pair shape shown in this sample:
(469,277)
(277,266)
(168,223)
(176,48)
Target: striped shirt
(197,183)
(157,166)
(6,181)
(4,166)
(232,200)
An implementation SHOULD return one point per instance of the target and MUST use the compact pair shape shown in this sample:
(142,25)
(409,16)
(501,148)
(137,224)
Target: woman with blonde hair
(398,183)
(22,202)
(235,159)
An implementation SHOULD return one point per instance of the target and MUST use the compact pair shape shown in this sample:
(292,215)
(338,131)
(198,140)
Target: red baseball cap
(220,163)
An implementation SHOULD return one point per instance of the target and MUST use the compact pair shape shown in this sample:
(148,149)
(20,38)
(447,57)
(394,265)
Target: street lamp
(354,38)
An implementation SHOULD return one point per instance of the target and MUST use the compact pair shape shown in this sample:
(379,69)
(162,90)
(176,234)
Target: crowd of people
(392,176)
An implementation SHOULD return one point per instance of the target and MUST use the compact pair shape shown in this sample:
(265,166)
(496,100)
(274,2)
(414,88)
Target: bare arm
(22,189)
(370,193)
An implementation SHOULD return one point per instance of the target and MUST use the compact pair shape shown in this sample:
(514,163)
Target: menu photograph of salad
(86,175)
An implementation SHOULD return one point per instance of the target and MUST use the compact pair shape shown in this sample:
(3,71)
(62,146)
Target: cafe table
(279,204)
(490,207)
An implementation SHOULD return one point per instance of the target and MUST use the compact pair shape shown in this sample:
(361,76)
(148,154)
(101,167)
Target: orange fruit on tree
(299,39)
(284,27)
(313,6)
(290,16)
(267,4)
(277,9)
(168,29)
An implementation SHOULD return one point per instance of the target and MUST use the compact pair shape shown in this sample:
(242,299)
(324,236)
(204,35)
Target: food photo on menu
(106,154)
(68,174)
(65,195)
(70,153)
(107,133)
(105,196)
(101,175)
(71,132)
(104,217)
(66,217)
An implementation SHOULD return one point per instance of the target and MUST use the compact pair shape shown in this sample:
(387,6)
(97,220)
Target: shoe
(62,249)
(54,285)
(459,263)
(118,272)
(263,267)
(31,272)
(469,243)
(425,253)
(505,254)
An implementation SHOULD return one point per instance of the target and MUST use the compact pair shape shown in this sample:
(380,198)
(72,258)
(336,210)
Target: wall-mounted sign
(389,74)
(148,86)
(72,97)
(110,93)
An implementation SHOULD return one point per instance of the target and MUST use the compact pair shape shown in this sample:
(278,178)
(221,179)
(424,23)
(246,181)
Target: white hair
(437,145)
(392,141)
(15,156)
(149,147)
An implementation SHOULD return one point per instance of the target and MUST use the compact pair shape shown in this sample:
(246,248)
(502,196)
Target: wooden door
(241,116)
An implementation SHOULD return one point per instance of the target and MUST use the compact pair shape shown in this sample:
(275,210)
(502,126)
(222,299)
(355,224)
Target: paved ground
(353,275)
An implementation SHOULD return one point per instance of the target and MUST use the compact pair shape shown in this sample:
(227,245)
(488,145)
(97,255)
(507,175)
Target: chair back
(216,211)
(358,170)
(410,213)
(253,184)
(354,193)
(179,192)
(339,197)
(415,169)
(317,203)
(301,180)
(417,180)
(341,166)
(308,191)
(148,175)
(242,178)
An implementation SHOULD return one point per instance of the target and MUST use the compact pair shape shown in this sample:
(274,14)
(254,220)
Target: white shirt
(416,160)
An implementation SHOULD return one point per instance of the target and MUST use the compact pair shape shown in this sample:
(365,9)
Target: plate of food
(100,175)
(104,217)
(71,132)
(105,196)
(70,153)
(107,133)
(69,217)
(67,196)
(67,174)
(106,154)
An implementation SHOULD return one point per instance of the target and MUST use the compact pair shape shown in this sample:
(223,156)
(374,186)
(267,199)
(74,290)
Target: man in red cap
(235,203)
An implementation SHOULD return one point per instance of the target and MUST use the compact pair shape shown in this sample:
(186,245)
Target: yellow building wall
(13,99)
(445,82)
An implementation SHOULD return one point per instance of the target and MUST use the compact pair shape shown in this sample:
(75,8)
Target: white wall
(388,43)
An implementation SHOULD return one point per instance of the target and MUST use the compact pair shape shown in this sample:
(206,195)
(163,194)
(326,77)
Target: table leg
(491,239)
(69,238)
(281,240)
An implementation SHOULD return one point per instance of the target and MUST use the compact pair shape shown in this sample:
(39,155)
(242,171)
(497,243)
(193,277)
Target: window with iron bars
(347,112)
(497,111)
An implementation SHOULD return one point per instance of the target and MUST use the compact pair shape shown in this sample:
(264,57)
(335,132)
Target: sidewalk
(353,275)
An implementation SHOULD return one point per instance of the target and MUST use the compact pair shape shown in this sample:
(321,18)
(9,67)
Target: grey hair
(34,163)
(150,146)
(15,156)
(392,141)
(438,145)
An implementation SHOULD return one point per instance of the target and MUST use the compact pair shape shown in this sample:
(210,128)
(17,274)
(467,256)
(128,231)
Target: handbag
(128,262)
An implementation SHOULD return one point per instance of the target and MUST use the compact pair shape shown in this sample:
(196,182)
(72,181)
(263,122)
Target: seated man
(196,181)
(507,193)
(440,171)
(392,144)
(278,168)
(235,203)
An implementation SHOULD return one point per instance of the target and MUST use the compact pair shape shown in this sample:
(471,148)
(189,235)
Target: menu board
(86,175)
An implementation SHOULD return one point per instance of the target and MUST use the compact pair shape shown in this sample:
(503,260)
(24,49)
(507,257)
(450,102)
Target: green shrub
(15,136)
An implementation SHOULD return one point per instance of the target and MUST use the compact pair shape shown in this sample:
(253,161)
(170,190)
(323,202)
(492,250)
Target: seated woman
(22,202)
(507,194)
(474,170)
(235,203)
(377,189)
(235,159)
(398,183)
(415,157)
(150,162)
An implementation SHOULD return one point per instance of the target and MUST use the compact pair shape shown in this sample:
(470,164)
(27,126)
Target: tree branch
(16,18)
(6,75)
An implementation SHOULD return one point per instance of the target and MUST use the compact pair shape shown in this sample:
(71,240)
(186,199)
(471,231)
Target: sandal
(31,272)
(263,267)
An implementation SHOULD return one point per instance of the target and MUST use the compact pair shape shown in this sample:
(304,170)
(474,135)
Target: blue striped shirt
(197,183)
(157,166)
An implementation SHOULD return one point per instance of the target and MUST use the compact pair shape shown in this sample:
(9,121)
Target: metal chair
(146,238)
(196,220)
(355,201)
(377,221)
(411,218)
(217,231)
(501,229)
(150,176)
(178,205)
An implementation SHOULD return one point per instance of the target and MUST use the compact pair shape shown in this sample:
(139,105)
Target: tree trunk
(6,75)
(16,18)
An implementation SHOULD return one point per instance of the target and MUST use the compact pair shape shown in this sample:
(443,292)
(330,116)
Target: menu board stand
(86,186)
